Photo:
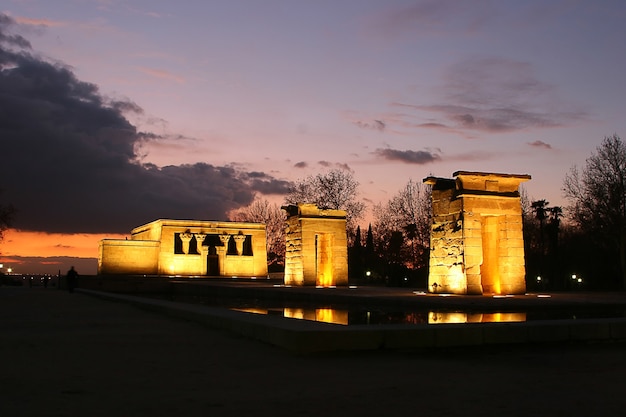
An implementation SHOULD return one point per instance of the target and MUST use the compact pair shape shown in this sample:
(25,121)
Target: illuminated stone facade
(477,242)
(187,248)
(317,246)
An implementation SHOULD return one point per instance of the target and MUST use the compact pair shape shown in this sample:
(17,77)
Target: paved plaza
(74,354)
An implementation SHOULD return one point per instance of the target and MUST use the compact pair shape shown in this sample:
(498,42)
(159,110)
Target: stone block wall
(477,243)
(316,246)
(188,248)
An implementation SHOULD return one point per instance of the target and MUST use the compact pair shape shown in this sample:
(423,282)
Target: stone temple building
(187,248)
(477,242)
(317,246)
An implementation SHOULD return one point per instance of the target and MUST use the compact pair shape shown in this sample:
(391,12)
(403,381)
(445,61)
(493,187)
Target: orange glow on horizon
(39,244)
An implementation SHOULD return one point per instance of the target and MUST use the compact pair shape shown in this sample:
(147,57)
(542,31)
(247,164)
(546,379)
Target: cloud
(8,39)
(433,17)
(74,164)
(378,125)
(39,22)
(162,74)
(338,165)
(540,144)
(492,95)
(408,156)
(300,164)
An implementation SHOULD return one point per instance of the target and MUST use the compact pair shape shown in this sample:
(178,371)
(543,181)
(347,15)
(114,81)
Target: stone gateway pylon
(316,246)
(477,242)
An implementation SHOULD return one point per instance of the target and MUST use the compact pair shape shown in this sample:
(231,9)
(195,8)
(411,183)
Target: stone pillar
(221,252)
(204,252)
(239,239)
(199,239)
(186,238)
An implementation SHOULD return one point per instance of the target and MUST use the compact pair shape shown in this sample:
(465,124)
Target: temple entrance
(490,268)
(316,246)
(213,265)
(323,260)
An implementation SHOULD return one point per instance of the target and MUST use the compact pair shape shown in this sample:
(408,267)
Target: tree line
(582,245)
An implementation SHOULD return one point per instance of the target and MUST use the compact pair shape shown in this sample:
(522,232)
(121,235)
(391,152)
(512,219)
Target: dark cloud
(338,165)
(494,95)
(8,39)
(540,144)
(70,160)
(300,164)
(378,125)
(408,156)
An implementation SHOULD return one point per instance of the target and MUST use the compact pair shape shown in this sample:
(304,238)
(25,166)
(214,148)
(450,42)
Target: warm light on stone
(187,248)
(477,242)
(317,246)
(437,317)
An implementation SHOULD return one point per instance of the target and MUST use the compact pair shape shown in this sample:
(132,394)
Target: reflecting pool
(376,315)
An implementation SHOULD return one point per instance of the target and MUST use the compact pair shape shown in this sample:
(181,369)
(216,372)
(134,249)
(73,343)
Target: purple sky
(230,98)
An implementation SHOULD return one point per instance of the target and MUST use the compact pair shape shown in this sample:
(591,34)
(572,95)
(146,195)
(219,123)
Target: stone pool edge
(301,336)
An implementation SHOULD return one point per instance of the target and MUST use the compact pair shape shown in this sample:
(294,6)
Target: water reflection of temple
(347,317)
(438,317)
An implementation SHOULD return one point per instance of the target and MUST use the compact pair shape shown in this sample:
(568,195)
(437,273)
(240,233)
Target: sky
(114,113)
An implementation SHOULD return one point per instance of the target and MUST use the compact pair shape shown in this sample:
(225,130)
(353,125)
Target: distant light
(538,279)
(543,296)
(580,280)
(574,276)
(352,287)
(419,292)
(368,273)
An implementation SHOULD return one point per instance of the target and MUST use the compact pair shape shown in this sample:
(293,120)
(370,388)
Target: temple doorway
(323,260)
(490,268)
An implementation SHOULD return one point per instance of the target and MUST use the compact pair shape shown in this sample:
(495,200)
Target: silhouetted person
(72,277)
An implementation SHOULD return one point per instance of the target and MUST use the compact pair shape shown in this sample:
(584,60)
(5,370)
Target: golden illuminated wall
(316,246)
(117,256)
(477,242)
(188,248)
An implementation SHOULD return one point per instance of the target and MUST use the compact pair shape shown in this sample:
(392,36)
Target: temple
(187,248)
(477,242)
(317,246)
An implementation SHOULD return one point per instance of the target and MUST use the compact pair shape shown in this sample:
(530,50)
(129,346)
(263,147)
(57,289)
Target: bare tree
(598,197)
(336,189)
(409,212)
(262,211)
(7,211)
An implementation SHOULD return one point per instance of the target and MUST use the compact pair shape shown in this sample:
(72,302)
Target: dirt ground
(67,354)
